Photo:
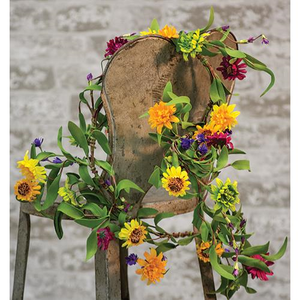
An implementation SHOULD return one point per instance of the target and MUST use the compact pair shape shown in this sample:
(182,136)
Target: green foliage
(126,185)
(155,177)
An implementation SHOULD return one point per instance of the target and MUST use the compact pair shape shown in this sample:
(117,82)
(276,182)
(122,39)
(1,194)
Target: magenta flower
(104,237)
(220,139)
(114,45)
(262,275)
(232,70)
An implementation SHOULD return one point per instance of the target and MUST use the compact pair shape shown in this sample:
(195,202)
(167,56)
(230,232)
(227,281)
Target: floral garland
(191,163)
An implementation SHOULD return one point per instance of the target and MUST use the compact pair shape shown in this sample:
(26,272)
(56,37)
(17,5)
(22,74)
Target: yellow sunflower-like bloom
(150,31)
(30,169)
(207,129)
(67,194)
(27,190)
(162,115)
(175,181)
(223,117)
(203,249)
(169,32)
(134,233)
(153,267)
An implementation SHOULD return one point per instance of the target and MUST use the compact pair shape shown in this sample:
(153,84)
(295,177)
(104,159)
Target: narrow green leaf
(146,212)
(93,87)
(91,244)
(235,53)
(179,100)
(223,158)
(44,155)
(210,20)
(33,151)
(155,177)
(165,247)
(59,143)
(105,166)
(57,224)
(82,122)
(216,266)
(102,141)
(91,223)
(261,249)
(236,151)
(185,125)
(175,162)
(70,210)
(241,165)
(154,25)
(52,175)
(122,218)
(95,209)
(187,240)
(79,137)
(204,232)
(213,93)
(221,90)
(126,185)
(52,193)
(279,254)
(167,89)
(84,174)
(146,114)
(73,178)
(252,262)
(82,98)
(162,216)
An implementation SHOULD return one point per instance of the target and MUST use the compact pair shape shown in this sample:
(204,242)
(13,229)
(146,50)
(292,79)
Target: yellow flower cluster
(167,31)
(203,248)
(28,188)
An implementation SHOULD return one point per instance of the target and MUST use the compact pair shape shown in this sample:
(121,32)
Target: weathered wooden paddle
(134,80)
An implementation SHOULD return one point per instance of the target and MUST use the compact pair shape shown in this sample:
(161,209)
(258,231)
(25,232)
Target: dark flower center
(136,235)
(23,189)
(229,70)
(175,184)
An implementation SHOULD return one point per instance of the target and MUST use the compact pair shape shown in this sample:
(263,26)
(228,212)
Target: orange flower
(207,129)
(153,267)
(203,248)
(169,32)
(27,190)
(162,115)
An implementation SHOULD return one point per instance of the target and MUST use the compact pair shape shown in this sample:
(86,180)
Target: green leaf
(84,174)
(91,223)
(126,185)
(154,25)
(146,212)
(37,202)
(73,178)
(241,165)
(221,90)
(44,155)
(122,218)
(93,87)
(235,53)
(261,249)
(165,247)
(187,240)
(162,216)
(206,52)
(204,232)
(213,92)
(59,143)
(179,100)
(210,20)
(52,193)
(70,210)
(236,151)
(33,151)
(52,175)
(79,137)
(175,162)
(185,125)
(223,158)
(146,114)
(91,244)
(216,266)
(102,141)
(252,262)
(82,122)
(279,254)
(167,89)
(95,209)
(57,224)
(155,177)
(254,60)
(188,196)
(105,166)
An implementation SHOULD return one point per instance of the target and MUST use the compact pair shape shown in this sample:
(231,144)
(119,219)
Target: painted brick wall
(54,44)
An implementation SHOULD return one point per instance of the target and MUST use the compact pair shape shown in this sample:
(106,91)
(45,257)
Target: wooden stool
(134,80)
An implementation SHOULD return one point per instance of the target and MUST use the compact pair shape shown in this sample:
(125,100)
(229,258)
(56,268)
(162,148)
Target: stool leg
(21,256)
(108,273)
(124,273)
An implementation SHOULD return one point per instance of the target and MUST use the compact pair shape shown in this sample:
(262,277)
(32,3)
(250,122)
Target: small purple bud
(243,222)
(131,259)
(38,142)
(231,244)
(200,138)
(107,182)
(186,143)
(203,149)
(57,160)
(227,250)
(264,40)
(243,239)
(235,272)
(89,77)
(225,27)
(164,258)
(236,250)
(127,207)
(251,39)
(230,225)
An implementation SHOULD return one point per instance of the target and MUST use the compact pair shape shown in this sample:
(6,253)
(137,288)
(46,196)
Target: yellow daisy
(27,190)
(162,115)
(169,32)
(134,233)
(153,267)
(223,117)
(175,181)
(30,169)
(203,249)
(150,31)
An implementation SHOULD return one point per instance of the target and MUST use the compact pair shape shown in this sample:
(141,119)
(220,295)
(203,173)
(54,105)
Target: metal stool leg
(108,273)
(21,256)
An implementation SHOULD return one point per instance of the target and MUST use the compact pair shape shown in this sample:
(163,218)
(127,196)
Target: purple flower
(200,138)
(89,77)
(131,259)
(57,160)
(235,272)
(230,225)
(227,250)
(104,237)
(164,258)
(107,182)
(203,149)
(186,143)
(236,250)
(264,40)
(243,239)
(114,45)
(225,27)
(127,207)
(251,39)
(243,222)
(38,142)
